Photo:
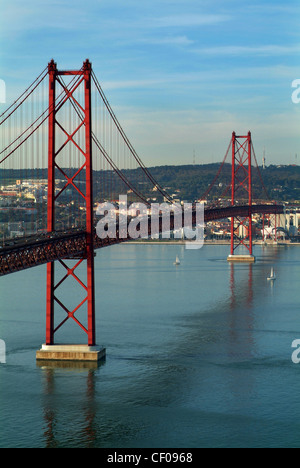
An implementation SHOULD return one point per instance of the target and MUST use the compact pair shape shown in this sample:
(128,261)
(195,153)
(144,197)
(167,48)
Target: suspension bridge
(63,151)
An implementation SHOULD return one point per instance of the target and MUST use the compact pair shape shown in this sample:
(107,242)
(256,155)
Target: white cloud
(127,84)
(19,17)
(176,41)
(256,78)
(189,20)
(263,50)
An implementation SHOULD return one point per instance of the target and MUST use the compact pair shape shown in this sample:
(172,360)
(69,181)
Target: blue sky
(181,75)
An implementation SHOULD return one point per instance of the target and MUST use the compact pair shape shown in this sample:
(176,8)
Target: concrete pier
(81,353)
(241,258)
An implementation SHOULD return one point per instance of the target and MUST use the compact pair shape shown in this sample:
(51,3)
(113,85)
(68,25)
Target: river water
(197,355)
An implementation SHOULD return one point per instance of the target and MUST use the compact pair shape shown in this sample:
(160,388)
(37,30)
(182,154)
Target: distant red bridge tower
(241,189)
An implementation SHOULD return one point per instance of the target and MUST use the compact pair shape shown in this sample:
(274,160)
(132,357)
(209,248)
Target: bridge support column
(241,228)
(70,353)
(241,258)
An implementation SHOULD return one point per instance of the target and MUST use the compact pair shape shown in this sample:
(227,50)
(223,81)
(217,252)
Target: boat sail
(272,276)
(177,261)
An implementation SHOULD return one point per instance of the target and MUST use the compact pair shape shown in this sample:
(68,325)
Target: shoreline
(223,242)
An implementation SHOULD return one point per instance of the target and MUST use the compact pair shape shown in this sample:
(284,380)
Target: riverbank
(206,242)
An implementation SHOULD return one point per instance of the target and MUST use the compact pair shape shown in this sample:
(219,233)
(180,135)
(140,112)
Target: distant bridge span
(25,253)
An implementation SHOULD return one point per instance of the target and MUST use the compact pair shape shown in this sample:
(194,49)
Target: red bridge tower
(69,95)
(241,190)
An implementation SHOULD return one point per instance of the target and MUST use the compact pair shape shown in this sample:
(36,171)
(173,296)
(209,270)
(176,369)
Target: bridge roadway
(25,253)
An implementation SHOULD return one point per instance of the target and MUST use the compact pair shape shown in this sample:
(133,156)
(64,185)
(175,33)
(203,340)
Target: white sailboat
(177,262)
(272,276)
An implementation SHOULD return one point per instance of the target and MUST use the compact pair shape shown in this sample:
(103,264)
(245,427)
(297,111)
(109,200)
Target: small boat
(272,276)
(177,262)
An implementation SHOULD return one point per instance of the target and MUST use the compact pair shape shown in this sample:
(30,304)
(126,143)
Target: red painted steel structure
(241,180)
(84,79)
(33,252)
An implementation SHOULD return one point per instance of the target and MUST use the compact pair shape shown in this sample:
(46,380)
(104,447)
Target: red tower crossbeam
(82,78)
(241,189)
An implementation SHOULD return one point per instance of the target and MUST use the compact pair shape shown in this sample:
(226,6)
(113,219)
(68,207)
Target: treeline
(190,182)
(281,183)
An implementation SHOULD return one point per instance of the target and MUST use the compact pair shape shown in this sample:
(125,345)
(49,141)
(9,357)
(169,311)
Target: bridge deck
(29,252)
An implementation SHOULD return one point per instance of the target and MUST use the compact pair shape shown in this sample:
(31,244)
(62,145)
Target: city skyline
(180,75)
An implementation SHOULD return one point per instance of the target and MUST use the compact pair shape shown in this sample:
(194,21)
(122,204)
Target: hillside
(282,182)
(187,182)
